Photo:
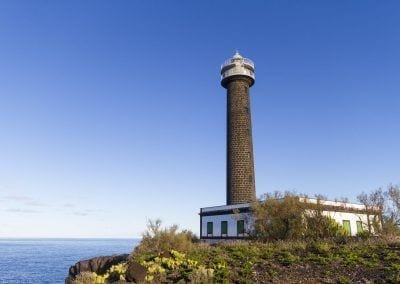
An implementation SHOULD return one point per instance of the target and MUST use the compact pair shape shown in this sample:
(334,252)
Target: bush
(286,217)
(364,235)
(156,240)
(319,226)
(115,273)
(85,277)
(279,217)
(176,268)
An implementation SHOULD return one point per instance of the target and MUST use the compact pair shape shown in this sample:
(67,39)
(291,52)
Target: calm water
(48,260)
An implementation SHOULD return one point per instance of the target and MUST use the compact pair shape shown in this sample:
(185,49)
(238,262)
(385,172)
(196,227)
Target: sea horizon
(70,238)
(47,260)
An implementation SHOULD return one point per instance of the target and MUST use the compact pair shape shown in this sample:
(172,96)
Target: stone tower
(237,76)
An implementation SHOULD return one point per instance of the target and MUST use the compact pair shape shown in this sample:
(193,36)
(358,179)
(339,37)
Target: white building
(230,222)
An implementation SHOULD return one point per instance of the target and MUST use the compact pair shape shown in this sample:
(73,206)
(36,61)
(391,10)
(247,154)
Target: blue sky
(111,112)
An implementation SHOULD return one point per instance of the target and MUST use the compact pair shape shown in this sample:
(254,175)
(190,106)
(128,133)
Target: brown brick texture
(240,159)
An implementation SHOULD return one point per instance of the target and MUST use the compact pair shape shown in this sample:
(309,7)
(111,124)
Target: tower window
(250,178)
(246,110)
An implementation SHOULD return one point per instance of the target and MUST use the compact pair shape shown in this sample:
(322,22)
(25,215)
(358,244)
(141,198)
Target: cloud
(69,205)
(86,212)
(24,200)
(35,203)
(18,198)
(78,213)
(19,210)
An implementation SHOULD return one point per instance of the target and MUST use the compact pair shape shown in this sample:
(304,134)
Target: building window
(359,227)
(240,227)
(346,227)
(224,228)
(209,228)
(246,110)
(250,178)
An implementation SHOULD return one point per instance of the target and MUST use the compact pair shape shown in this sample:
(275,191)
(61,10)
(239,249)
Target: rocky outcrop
(136,272)
(97,264)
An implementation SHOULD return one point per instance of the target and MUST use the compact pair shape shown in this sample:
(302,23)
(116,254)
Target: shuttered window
(209,228)
(240,227)
(346,227)
(224,227)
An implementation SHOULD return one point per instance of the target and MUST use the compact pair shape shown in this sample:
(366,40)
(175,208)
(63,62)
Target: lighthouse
(237,76)
(234,220)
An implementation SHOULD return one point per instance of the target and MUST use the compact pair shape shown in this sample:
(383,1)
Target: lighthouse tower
(235,220)
(237,76)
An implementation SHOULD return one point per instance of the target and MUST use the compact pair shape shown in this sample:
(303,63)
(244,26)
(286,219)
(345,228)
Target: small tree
(384,208)
(374,203)
(319,225)
(156,239)
(391,224)
(288,216)
(278,216)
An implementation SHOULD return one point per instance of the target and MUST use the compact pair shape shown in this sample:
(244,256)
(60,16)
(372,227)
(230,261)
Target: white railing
(231,60)
(249,62)
(241,71)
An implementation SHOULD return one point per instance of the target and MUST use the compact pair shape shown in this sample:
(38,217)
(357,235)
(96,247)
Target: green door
(209,228)
(224,227)
(359,227)
(240,227)
(346,227)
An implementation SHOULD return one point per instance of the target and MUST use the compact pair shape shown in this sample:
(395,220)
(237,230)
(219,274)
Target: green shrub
(85,277)
(156,240)
(287,258)
(113,274)
(320,248)
(176,268)
(287,216)
(364,235)
(318,226)
(278,217)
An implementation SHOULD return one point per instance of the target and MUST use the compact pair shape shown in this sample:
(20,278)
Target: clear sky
(111,112)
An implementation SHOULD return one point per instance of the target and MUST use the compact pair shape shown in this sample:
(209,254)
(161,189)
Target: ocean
(37,261)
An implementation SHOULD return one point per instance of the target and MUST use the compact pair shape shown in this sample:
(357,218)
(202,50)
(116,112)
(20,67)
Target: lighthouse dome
(237,66)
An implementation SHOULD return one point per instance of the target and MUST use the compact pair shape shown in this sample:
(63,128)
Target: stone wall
(240,158)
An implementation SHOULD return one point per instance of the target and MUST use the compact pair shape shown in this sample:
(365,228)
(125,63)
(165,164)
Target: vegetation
(335,260)
(388,201)
(283,216)
(177,267)
(295,243)
(156,239)
(115,273)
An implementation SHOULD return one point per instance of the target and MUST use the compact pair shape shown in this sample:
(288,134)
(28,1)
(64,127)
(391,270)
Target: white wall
(232,223)
(247,217)
(352,217)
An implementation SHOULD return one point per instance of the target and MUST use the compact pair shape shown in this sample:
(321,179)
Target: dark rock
(68,280)
(166,254)
(99,265)
(135,272)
